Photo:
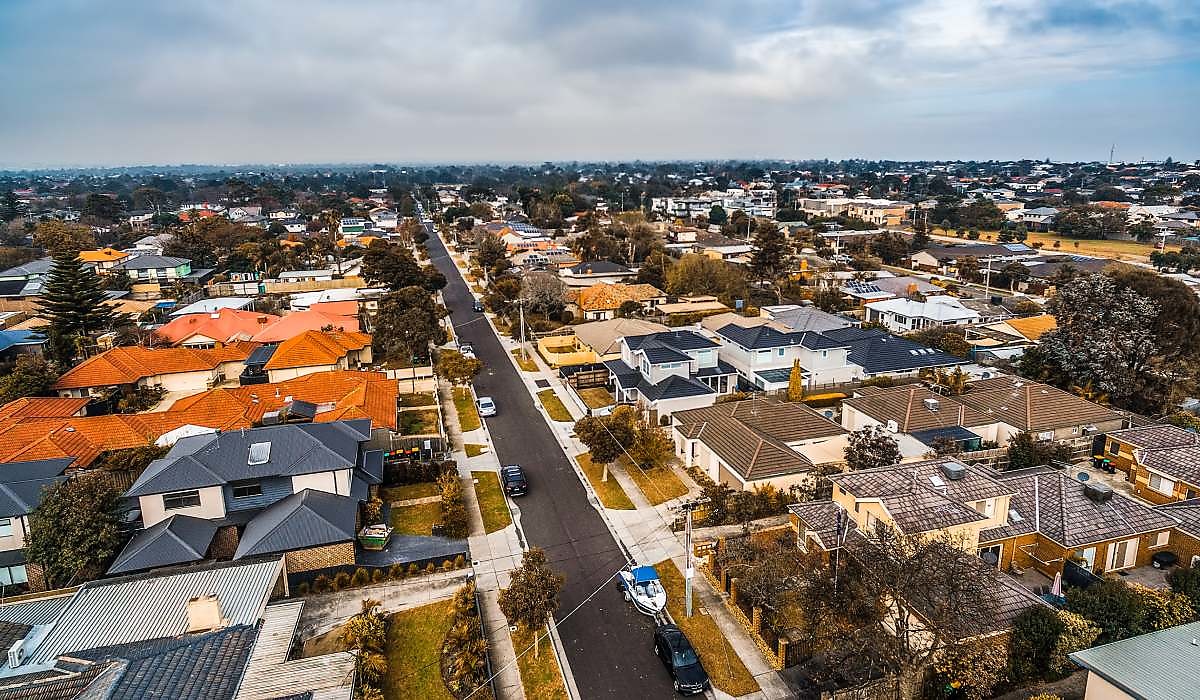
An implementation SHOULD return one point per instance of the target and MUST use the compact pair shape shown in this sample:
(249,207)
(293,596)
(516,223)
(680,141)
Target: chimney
(204,614)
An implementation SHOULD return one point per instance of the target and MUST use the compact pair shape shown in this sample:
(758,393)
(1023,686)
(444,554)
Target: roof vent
(893,426)
(214,314)
(1098,492)
(260,453)
(954,471)
(931,404)
(204,614)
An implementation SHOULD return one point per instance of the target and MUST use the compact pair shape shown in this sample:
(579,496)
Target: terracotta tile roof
(42,407)
(605,297)
(296,323)
(1032,327)
(223,326)
(336,308)
(102,255)
(314,348)
(126,365)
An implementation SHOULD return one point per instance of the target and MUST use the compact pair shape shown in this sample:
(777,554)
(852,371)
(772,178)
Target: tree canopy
(75,531)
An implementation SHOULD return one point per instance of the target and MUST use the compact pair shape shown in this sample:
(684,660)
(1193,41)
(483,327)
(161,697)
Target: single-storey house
(173,369)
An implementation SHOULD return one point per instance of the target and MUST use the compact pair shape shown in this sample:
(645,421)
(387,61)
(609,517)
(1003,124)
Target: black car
(477,306)
(680,658)
(513,478)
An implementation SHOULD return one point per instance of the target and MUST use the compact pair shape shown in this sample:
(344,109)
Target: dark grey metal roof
(627,377)
(673,387)
(310,518)
(878,351)
(22,484)
(261,355)
(765,337)
(219,458)
(1162,664)
(659,355)
(679,340)
(721,367)
(178,539)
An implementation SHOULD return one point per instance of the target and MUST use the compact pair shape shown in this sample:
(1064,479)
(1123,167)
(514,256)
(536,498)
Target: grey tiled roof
(307,519)
(219,458)
(1152,437)
(1182,463)
(673,387)
(178,539)
(1185,513)
(22,484)
(1054,504)
(1162,664)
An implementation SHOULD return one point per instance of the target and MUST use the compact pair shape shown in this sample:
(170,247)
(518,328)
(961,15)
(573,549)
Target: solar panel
(260,453)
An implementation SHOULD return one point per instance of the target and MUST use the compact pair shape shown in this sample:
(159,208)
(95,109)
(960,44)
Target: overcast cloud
(163,81)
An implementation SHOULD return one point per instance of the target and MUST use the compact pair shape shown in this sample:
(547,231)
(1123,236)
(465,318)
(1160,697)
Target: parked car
(485,406)
(477,306)
(677,654)
(513,478)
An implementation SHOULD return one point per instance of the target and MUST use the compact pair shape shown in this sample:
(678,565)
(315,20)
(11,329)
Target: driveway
(608,644)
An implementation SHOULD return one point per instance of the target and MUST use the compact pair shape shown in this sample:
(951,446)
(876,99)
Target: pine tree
(73,300)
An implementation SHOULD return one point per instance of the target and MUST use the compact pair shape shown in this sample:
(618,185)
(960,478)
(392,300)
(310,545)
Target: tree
(407,324)
(795,389)
(30,376)
(102,207)
(1186,581)
(61,237)
(491,255)
(1111,605)
(532,593)
(456,368)
(366,634)
(654,269)
(968,269)
(1090,222)
(890,247)
(543,293)
(951,340)
(717,215)
(1015,273)
(608,437)
(700,274)
(1104,335)
(73,302)
(652,447)
(1026,450)
(871,447)
(772,256)
(76,530)
(396,268)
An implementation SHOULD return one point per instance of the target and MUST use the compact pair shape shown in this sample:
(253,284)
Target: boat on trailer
(642,588)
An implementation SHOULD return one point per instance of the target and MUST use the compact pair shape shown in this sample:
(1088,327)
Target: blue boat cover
(642,574)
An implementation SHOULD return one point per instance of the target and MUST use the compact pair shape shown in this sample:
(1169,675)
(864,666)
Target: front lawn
(540,675)
(527,364)
(392,494)
(554,406)
(473,449)
(419,422)
(464,405)
(597,397)
(610,492)
(414,400)
(416,519)
(414,651)
(659,484)
(725,669)
(491,501)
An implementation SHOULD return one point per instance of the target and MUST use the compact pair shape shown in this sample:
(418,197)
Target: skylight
(260,453)
(937,481)
(1014,516)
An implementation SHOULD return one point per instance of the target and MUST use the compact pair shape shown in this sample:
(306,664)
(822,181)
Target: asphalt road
(608,643)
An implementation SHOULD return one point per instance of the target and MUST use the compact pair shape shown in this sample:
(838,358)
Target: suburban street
(608,644)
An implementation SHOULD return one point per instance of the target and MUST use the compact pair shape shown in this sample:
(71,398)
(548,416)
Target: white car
(486,406)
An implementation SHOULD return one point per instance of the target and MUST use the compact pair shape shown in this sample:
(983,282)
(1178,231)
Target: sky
(98,82)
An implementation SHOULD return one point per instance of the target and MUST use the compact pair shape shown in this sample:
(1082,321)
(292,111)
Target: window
(781,352)
(824,353)
(181,499)
(987,507)
(1162,484)
(247,489)
(6,527)
(1113,447)
(10,575)
(1161,539)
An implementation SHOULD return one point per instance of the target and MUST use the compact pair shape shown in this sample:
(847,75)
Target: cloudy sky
(90,82)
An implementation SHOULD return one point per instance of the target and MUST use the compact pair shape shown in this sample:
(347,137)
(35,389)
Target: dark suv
(677,654)
(513,478)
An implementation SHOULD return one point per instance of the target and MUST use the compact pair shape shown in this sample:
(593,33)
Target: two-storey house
(763,356)
(155,268)
(669,371)
(1161,461)
(22,486)
(289,489)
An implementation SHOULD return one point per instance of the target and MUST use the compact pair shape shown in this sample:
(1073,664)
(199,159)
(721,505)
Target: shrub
(1164,608)
(1035,632)
(342,580)
(430,568)
(1186,581)
(321,584)
(1045,696)
(447,565)
(460,561)
(302,588)
(1077,633)
(455,521)
(974,668)
(361,577)
(413,569)
(378,575)
(373,511)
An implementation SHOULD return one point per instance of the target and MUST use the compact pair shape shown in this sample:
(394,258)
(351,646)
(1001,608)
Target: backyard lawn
(610,492)
(473,449)
(419,422)
(392,494)
(491,501)
(464,405)
(659,485)
(526,364)
(597,397)
(725,669)
(416,519)
(540,675)
(554,406)
(414,651)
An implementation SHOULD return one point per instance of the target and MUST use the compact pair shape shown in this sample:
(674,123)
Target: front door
(995,550)
(1122,555)
(1089,558)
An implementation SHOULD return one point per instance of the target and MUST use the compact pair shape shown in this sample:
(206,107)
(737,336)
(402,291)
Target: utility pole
(689,570)
(521,309)
(987,277)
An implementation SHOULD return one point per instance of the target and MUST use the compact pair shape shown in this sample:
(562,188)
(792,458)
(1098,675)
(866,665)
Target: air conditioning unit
(931,404)
(16,654)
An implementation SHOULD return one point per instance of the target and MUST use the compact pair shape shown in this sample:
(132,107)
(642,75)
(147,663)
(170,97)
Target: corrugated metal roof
(120,611)
(38,611)
(1162,664)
